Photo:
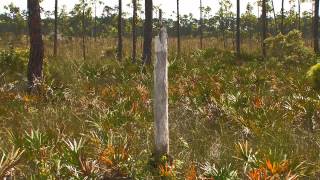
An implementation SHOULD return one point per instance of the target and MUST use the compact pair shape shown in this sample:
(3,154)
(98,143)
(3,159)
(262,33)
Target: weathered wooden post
(161,94)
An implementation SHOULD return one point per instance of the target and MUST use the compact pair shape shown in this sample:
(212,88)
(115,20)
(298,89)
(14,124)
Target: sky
(168,6)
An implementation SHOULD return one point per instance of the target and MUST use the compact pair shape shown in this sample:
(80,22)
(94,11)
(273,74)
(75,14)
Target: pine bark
(316,27)
(134,32)
(282,17)
(238,28)
(201,25)
(83,31)
(55,45)
(147,43)
(178,29)
(264,27)
(36,45)
(119,55)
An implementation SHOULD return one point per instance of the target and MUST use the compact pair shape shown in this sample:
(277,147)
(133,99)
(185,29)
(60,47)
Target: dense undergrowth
(257,119)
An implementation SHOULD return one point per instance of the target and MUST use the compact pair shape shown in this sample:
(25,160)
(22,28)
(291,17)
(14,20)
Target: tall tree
(36,44)
(134,31)
(178,29)
(316,27)
(83,29)
(282,17)
(95,21)
(264,27)
(274,16)
(238,28)
(201,24)
(119,55)
(299,15)
(55,46)
(147,43)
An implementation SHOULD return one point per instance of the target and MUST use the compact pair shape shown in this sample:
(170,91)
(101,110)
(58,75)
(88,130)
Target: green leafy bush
(314,76)
(288,47)
(13,60)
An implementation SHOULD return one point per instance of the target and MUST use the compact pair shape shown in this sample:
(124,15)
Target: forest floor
(94,118)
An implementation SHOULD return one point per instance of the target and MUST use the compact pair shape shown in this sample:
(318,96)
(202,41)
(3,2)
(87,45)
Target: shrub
(288,47)
(13,60)
(314,76)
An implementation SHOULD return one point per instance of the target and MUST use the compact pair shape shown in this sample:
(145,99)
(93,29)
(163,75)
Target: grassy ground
(94,118)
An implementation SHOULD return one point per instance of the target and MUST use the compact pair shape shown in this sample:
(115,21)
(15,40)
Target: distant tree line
(222,23)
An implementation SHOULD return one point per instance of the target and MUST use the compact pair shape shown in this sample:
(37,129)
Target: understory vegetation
(257,119)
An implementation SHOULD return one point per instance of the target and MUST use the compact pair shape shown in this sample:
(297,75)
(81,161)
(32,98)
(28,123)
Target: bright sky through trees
(168,6)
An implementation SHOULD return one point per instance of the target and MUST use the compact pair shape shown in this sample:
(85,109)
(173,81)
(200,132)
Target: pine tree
(119,55)
(178,29)
(36,45)
(147,44)
(55,46)
(316,26)
(134,32)
(238,28)
(264,27)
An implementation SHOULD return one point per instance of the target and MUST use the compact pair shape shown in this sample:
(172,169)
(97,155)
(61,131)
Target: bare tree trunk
(275,17)
(201,25)
(316,27)
(147,44)
(95,21)
(36,45)
(264,27)
(299,15)
(119,55)
(178,29)
(55,45)
(161,95)
(238,28)
(83,31)
(134,32)
(282,17)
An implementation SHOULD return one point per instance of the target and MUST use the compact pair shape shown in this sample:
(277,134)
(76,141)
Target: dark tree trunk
(316,27)
(201,25)
(299,15)
(275,17)
(36,45)
(55,46)
(264,27)
(178,29)
(134,32)
(282,17)
(95,22)
(238,28)
(147,44)
(120,31)
(83,31)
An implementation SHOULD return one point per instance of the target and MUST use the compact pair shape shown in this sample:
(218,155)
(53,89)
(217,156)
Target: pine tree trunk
(201,25)
(316,26)
(238,28)
(83,31)
(178,29)
(282,17)
(119,56)
(134,32)
(95,22)
(147,44)
(36,45)
(275,17)
(299,15)
(264,27)
(55,46)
